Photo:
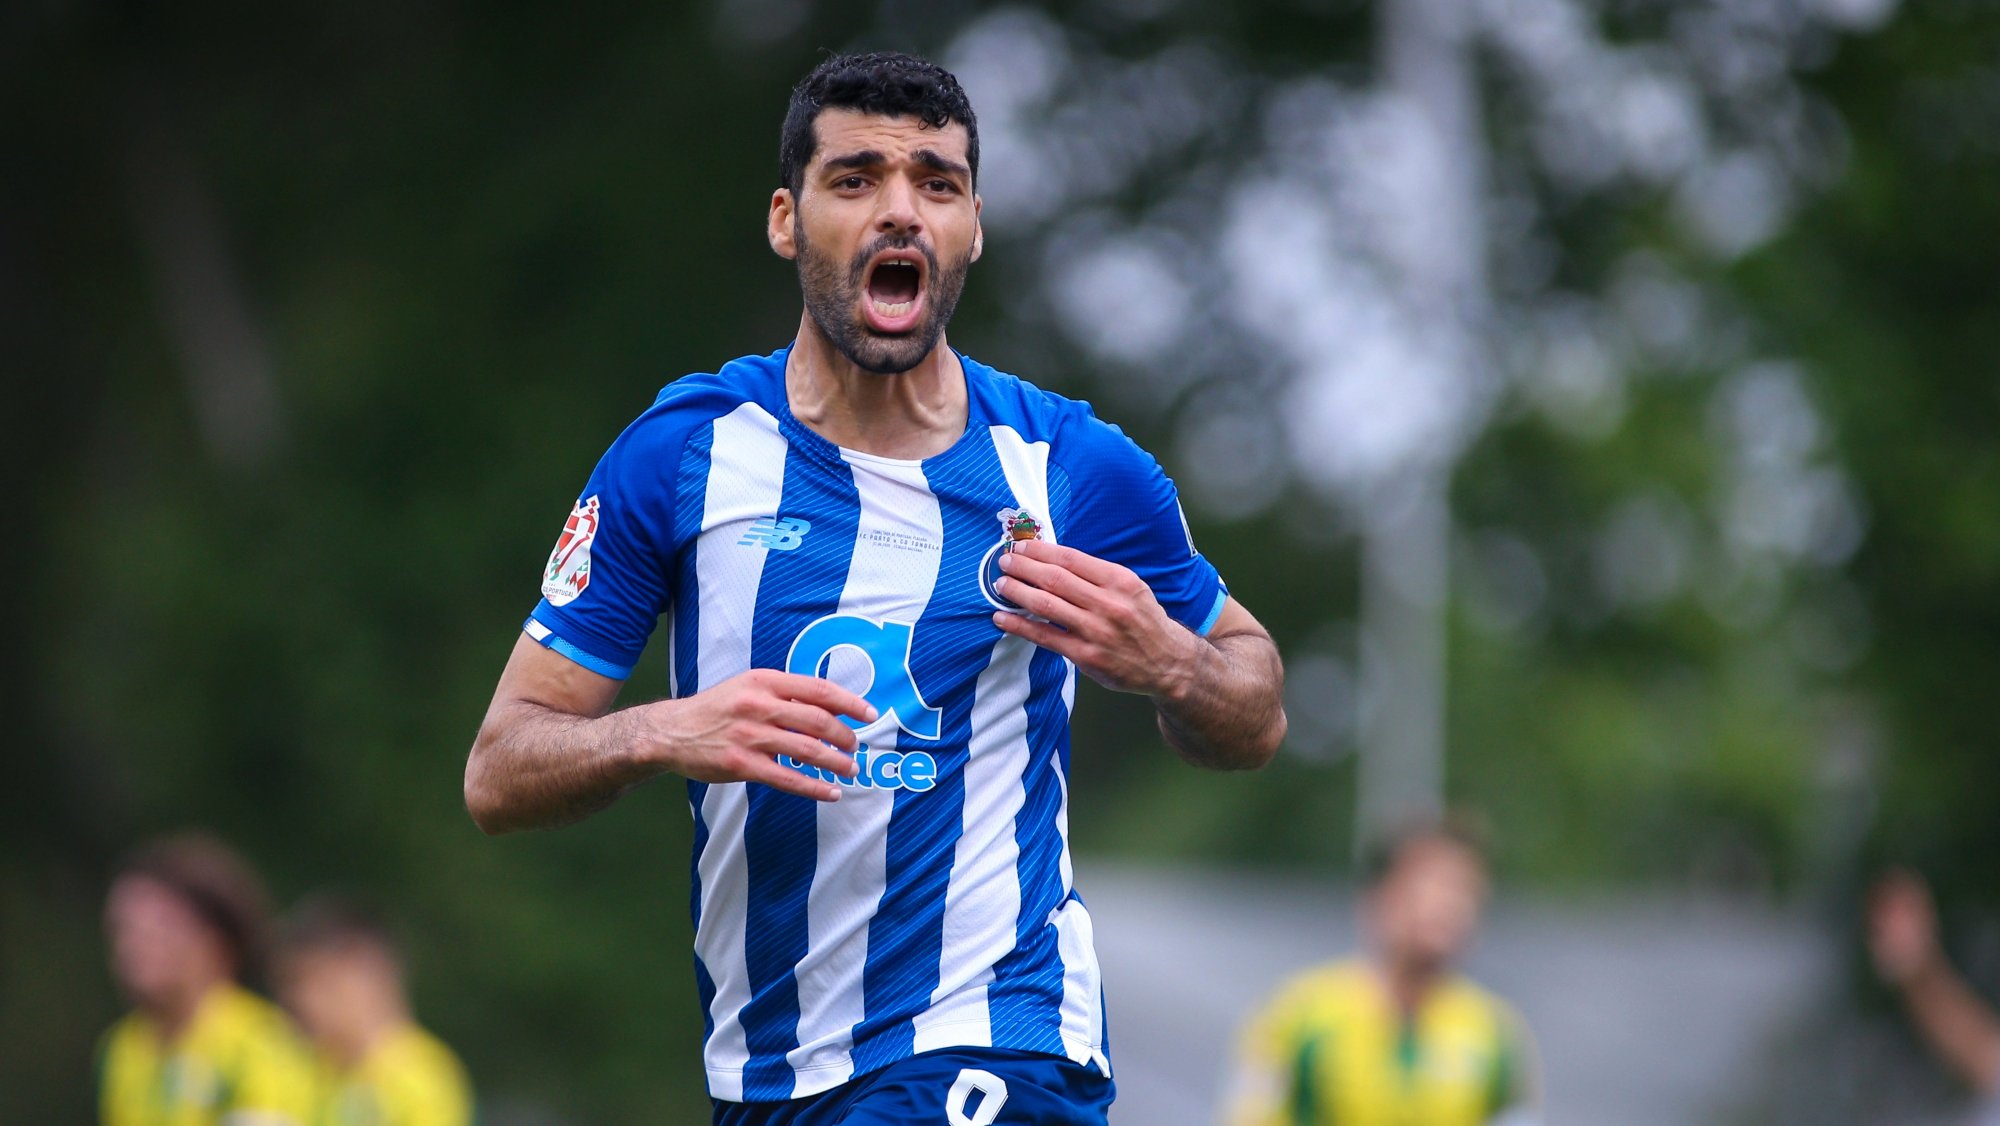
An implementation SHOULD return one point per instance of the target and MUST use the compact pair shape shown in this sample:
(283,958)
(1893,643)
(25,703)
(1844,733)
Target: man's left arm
(1220,697)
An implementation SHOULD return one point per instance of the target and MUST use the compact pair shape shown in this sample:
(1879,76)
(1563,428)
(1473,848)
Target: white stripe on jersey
(983,901)
(898,546)
(725,900)
(1062,809)
(1083,986)
(746,477)
(1026,467)
(1083,989)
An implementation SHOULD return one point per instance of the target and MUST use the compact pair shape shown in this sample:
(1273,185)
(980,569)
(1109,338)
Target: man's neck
(1407,984)
(175,1013)
(910,415)
(350,1050)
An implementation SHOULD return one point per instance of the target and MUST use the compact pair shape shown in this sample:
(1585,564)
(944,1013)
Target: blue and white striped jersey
(933,906)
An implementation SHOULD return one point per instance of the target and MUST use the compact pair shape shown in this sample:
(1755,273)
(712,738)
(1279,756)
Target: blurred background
(1598,400)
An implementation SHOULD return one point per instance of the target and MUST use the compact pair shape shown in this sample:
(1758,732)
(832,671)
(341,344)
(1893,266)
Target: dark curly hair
(219,885)
(888,83)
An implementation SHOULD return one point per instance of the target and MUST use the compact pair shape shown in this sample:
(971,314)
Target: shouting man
(883,564)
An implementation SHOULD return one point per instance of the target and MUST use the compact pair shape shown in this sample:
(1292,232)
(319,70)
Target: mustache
(858,269)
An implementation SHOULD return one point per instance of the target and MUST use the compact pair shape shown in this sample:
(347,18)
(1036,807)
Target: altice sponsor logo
(915,771)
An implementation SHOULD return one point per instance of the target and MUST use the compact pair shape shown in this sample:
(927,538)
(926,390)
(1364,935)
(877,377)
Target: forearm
(533,767)
(1960,1026)
(1227,712)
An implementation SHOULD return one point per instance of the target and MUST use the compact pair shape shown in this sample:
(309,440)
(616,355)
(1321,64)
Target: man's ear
(978,229)
(778,225)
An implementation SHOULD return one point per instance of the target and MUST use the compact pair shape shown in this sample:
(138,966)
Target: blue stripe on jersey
(704,982)
(691,499)
(781,834)
(1026,996)
(906,938)
(690,508)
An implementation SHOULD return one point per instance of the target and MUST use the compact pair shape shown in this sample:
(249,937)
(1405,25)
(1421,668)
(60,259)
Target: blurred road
(1648,1012)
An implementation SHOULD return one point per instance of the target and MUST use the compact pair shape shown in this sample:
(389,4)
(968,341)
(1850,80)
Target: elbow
(482,798)
(1257,752)
(484,813)
(1266,747)
(1249,750)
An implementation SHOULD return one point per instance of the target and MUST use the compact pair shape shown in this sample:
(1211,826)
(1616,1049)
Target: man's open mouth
(894,294)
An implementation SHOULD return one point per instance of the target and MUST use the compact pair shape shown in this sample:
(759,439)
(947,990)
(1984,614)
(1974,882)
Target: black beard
(833,295)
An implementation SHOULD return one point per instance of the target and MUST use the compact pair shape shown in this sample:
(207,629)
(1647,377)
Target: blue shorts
(953,1087)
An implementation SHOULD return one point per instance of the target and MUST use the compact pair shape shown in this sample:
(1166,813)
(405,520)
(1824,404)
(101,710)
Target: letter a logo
(892,689)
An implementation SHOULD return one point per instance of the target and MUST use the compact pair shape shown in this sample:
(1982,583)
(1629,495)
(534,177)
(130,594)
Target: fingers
(1038,601)
(1022,569)
(756,768)
(812,752)
(807,719)
(1050,637)
(1903,894)
(822,694)
(1099,571)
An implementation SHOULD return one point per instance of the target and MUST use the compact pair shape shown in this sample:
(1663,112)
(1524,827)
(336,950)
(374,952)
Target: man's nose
(898,214)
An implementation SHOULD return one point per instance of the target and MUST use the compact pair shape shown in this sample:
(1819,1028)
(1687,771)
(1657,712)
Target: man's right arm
(1903,938)
(551,752)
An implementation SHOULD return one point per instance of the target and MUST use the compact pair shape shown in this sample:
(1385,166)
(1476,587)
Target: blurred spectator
(1960,1028)
(1395,1035)
(341,975)
(185,917)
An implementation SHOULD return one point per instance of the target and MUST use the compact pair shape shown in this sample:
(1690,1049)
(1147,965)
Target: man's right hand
(735,731)
(1902,926)
(551,751)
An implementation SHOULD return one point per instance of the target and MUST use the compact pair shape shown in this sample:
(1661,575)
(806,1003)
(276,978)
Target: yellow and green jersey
(1332,1049)
(237,1063)
(408,1078)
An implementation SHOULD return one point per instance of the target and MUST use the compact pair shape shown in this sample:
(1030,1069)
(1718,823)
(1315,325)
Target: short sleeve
(606,581)
(1124,508)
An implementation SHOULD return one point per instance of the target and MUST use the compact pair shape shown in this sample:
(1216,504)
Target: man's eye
(851,182)
(942,186)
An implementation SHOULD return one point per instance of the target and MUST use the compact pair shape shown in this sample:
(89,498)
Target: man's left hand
(1100,615)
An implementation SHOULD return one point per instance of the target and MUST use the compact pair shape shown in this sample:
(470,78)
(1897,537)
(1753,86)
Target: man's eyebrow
(870,158)
(866,158)
(932,159)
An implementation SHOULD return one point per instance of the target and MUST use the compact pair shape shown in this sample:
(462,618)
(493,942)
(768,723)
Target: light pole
(1436,257)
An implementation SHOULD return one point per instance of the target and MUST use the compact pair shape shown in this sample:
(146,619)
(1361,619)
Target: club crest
(1017,525)
(1020,525)
(568,572)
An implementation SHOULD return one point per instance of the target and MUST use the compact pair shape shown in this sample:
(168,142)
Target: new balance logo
(776,533)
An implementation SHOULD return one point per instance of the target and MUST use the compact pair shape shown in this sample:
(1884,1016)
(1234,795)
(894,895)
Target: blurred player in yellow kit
(185,917)
(341,975)
(1395,1037)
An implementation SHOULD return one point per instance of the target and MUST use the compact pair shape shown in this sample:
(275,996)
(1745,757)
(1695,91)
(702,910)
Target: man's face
(1426,908)
(884,228)
(158,940)
(320,988)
